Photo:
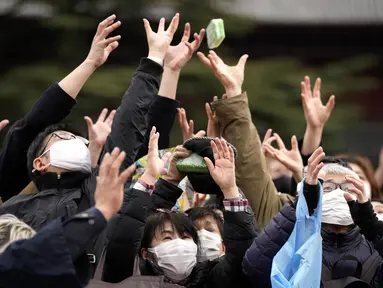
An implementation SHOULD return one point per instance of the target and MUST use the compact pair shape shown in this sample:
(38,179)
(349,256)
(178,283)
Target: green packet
(193,164)
(215,33)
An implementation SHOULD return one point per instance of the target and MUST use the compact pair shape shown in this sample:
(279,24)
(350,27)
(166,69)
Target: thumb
(147,27)
(242,61)
(89,123)
(200,133)
(127,173)
(330,103)
(348,197)
(209,164)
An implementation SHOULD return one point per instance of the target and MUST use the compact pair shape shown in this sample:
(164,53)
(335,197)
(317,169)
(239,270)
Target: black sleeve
(165,195)
(80,230)
(365,217)
(124,236)
(305,158)
(161,114)
(311,193)
(239,233)
(53,106)
(130,123)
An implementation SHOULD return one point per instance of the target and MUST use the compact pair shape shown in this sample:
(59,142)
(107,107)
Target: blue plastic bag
(299,262)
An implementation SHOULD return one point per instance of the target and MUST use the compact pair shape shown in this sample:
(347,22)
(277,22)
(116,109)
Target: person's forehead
(207,220)
(357,169)
(334,177)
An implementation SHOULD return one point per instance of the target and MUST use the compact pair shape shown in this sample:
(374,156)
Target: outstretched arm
(53,106)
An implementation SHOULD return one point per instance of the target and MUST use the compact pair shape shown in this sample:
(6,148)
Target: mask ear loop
(34,170)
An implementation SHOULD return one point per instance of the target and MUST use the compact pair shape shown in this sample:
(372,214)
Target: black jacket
(258,260)
(239,232)
(53,106)
(55,256)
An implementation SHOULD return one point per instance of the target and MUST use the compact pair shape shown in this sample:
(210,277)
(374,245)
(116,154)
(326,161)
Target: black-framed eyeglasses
(62,136)
(329,186)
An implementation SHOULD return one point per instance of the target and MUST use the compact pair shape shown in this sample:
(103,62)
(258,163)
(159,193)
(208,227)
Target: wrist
(233,91)
(231,192)
(174,72)
(157,55)
(298,176)
(106,212)
(148,178)
(314,128)
(171,180)
(90,64)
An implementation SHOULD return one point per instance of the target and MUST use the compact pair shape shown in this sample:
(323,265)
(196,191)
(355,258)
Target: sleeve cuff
(157,60)
(236,205)
(142,186)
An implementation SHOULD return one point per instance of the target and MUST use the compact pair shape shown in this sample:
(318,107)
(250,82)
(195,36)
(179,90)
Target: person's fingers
(316,153)
(270,140)
(166,157)
(102,116)
(3,123)
(215,98)
(308,86)
(105,165)
(103,24)
(148,29)
(181,154)
(219,144)
(267,135)
(356,182)
(204,60)
(152,138)
(198,39)
(242,61)
(303,88)
(213,62)
(232,155)
(330,104)
(209,164)
(179,117)
(215,150)
(224,97)
(317,170)
(181,148)
(318,159)
(294,143)
(127,173)
(110,29)
(89,123)
(268,150)
(317,86)
(107,41)
(174,24)
(161,25)
(209,112)
(359,194)
(110,118)
(111,47)
(116,165)
(186,35)
(191,126)
(304,101)
(200,133)
(216,58)
(348,197)
(190,47)
(280,143)
(225,150)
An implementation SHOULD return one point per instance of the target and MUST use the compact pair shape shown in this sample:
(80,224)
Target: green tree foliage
(63,38)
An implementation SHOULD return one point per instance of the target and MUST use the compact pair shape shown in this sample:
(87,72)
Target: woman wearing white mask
(166,243)
(346,253)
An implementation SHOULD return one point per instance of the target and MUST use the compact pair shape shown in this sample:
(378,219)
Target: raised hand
(177,56)
(290,158)
(3,123)
(173,175)
(110,183)
(156,166)
(101,45)
(267,141)
(231,77)
(159,42)
(314,166)
(99,131)
(223,171)
(187,128)
(357,189)
(316,113)
(212,124)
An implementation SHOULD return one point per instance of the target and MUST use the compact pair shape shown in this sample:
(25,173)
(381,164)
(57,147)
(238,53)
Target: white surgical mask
(209,246)
(72,155)
(335,209)
(380,216)
(176,258)
(367,189)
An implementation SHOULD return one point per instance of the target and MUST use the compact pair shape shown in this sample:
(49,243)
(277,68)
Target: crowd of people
(120,208)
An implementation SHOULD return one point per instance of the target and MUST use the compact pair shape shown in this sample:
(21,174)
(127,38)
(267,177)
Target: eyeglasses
(63,136)
(329,186)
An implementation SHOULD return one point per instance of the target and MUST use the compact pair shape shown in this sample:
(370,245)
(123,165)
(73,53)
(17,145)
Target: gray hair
(13,229)
(337,169)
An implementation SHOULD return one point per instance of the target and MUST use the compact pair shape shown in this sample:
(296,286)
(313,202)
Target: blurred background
(339,41)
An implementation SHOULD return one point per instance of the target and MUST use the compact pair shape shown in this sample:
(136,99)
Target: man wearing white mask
(347,256)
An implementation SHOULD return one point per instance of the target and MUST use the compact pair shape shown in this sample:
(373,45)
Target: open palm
(99,131)
(223,171)
(316,113)
(156,164)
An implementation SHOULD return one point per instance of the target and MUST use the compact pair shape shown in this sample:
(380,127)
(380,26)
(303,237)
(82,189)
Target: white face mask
(209,246)
(367,189)
(72,155)
(380,216)
(335,209)
(176,258)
